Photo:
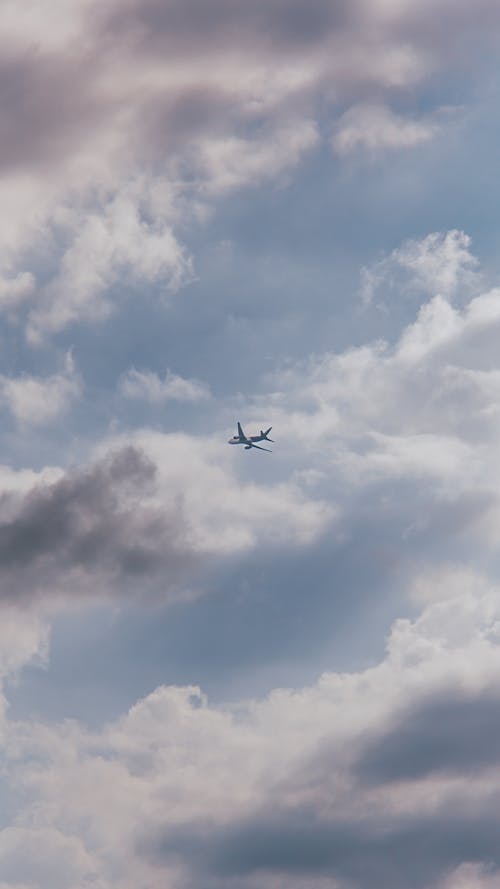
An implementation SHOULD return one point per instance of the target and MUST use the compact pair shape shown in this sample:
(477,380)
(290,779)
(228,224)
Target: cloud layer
(143,517)
(381,778)
(129,129)
(173,107)
(369,779)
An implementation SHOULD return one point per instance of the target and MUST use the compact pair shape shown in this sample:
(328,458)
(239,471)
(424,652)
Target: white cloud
(234,162)
(52,25)
(17,290)
(203,105)
(429,400)
(224,512)
(24,638)
(20,481)
(470,876)
(375,128)
(116,240)
(440,263)
(46,857)
(38,400)
(148,385)
(126,803)
(143,519)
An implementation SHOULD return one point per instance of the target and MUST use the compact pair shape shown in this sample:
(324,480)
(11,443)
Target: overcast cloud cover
(223,669)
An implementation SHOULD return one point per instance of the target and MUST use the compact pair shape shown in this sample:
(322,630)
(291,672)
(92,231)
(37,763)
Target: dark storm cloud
(92,531)
(375,852)
(452,732)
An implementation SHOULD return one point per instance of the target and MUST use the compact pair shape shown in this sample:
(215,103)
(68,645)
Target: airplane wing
(269,451)
(240,432)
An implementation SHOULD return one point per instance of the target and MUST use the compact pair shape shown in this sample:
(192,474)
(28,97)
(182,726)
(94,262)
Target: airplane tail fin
(266,433)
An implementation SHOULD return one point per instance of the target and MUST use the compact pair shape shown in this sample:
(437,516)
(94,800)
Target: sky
(219,668)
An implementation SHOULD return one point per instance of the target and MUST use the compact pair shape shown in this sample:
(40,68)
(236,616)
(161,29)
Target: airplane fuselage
(247,440)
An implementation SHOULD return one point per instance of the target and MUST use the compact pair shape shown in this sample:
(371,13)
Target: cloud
(105,245)
(470,876)
(175,106)
(288,790)
(90,531)
(149,386)
(419,407)
(43,857)
(16,290)
(348,850)
(36,401)
(234,162)
(450,733)
(375,128)
(142,518)
(403,437)
(52,24)
(440,263)
(224,512)
(24,639)
(197,103)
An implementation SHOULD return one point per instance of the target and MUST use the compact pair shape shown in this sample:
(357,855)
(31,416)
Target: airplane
(248,440)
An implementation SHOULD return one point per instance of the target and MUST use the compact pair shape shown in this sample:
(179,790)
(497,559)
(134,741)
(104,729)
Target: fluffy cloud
(375,128)
(289,790)
(471,876)
(91,528)
(42,857)
(234,162)
(439,263)
(403,436)
(405,432)
(224,513)
(35,401)
(169,97)
(378,779)
(117,239)
(420,407)
(24,638)
(16,290)
(148,385)
(143,517)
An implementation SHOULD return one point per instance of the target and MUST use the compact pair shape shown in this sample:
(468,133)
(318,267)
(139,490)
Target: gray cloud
(47,105)
(92,531)
(371,852)
(452,29)
(54,103)
(190,26)
(190,99)
(245,797)
(338,815)
(451,732)
(283,26)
